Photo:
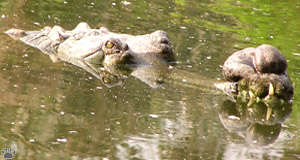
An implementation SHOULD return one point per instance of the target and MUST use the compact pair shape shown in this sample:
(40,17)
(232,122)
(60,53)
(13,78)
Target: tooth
(271,89)
(258,100)
(252,98)
(269,113)
(251,94)
(251,101)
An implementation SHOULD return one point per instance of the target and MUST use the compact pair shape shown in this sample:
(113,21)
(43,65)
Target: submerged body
(260,71)
(109,56)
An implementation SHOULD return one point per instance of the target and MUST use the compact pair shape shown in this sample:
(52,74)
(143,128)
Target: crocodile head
(112,51)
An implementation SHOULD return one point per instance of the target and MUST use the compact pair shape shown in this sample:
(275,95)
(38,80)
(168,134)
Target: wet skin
(99,46)
(105,54)
(259,72)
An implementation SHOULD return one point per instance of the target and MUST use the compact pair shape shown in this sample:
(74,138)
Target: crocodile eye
(109,44)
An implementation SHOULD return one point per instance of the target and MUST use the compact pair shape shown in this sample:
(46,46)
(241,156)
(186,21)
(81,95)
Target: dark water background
(59,111)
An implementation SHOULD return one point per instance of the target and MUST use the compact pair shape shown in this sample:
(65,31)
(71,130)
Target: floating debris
(126,3)
(37,23)
(296,54)
(99,88)
(64,140)
(182,27)
(153,115)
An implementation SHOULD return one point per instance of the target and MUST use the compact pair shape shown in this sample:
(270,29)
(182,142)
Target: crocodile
(253,73)
(103,53)
(98,46)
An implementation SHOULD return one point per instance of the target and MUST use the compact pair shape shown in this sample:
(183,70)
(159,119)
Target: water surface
(59,111)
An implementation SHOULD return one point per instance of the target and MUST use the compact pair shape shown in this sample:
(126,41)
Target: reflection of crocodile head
(114,75)
(260,123)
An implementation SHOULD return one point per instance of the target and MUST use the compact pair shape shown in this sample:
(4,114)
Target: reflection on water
(58,111)
(259,124)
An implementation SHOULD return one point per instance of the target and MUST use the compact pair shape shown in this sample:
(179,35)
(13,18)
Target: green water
(59,111)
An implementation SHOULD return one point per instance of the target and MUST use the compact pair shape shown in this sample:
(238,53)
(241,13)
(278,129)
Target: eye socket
(109,44)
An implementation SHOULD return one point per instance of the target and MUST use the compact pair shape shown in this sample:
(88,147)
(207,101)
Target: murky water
(60,111)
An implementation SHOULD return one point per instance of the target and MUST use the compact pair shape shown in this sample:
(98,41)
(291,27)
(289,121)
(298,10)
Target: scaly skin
(253,70)
(99,45)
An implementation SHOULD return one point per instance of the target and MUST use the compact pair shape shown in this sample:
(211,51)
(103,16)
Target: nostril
(126,47)
(164,40)
(127,57)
